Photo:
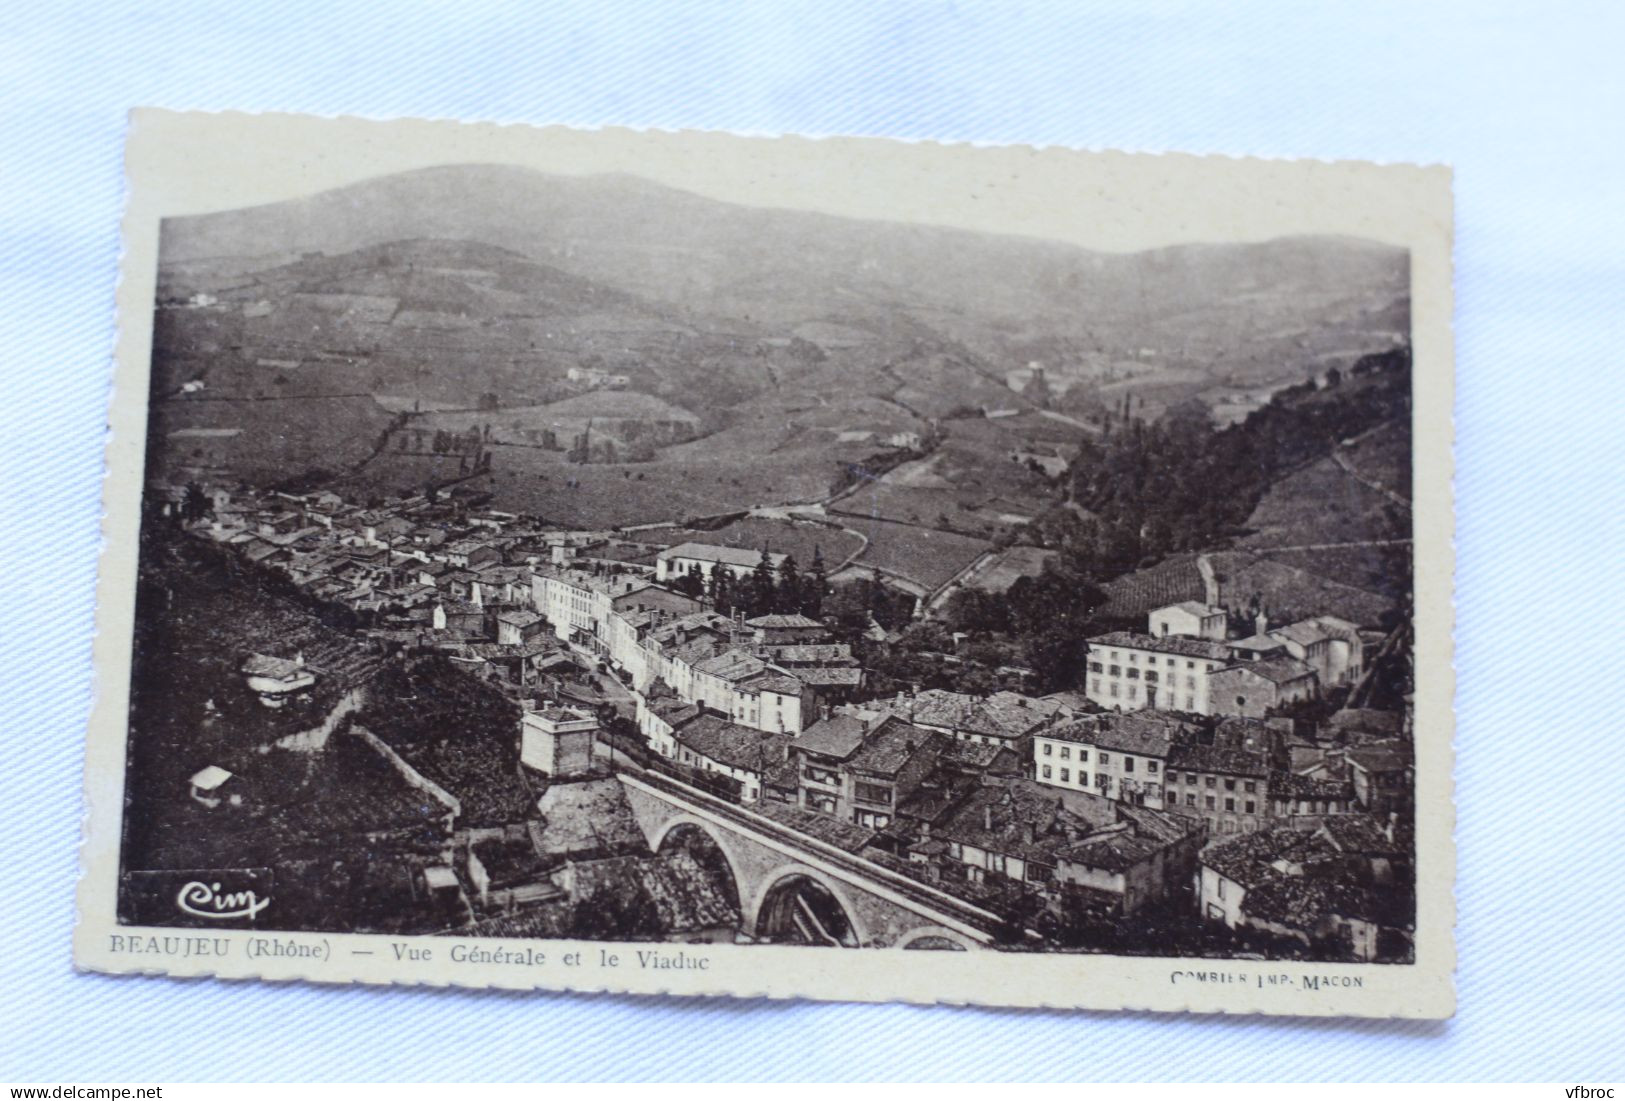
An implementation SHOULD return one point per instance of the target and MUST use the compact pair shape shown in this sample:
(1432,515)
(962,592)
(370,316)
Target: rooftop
(1304,633)
(837,736)
(828,676)
(1208,758)
(783,621)
(1145,733)
(1171,644)
(732,556)
(730,744)
(1290,785)
(890,745)
(1258,643)
(519,617)
(822,827)
(732,665)
(272,668)
(1281,670)
(1192,607)
(1249,858)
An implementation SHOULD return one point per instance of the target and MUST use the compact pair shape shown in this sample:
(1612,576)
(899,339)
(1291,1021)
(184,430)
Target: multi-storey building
(1227,788)
(861,771)
(1128,671)
(1116,756)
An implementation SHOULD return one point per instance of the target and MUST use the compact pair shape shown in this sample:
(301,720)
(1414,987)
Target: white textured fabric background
(1526,100)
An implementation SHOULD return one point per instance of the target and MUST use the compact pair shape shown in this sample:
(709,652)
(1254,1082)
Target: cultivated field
(1006,568)
(1285,591)
(970,483)
(928,557)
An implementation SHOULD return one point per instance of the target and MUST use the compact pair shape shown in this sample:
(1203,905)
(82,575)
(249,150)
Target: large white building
(1128,671)
(702,558)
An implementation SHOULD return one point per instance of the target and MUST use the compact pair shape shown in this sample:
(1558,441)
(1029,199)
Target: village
(1184,796)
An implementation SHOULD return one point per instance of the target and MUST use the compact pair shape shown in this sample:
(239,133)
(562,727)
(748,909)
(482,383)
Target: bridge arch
(935,937)
(685,829)
(797,897)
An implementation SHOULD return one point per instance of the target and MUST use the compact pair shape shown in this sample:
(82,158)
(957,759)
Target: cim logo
(215,898)
(206,900)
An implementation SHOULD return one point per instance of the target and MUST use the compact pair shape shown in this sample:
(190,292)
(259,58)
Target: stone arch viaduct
(793,885)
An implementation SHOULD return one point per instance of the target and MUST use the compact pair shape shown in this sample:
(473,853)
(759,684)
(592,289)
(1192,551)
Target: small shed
(214,785)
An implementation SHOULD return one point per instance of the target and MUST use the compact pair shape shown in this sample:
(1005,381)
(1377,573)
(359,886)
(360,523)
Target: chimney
(925,831)
(299,659)
(987,817)
(1261,622)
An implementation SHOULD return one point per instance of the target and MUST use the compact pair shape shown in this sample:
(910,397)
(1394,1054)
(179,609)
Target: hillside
(764,354)
(1231,309)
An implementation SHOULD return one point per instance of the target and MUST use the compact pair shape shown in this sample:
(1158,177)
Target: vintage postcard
(844,569)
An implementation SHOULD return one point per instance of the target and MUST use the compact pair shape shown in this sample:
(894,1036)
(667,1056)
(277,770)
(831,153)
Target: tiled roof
(1247,859)
(823,827)
(1208,758)
(889,746)
(726,743)
(732,665)
(838,736)
(1260,643)
(1289,785)
(1305,633)
(782,621)
(937,707)
(1380,757)
(838,676)
(997,817)
(1301,902)
(1171,644)
(769,681)
(816,653)
(1116,851)
(264,665)
(1142,732)
(1274,670)
(1359,833)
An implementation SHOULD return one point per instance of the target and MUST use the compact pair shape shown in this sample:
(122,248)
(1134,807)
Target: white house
(703,558)
(1130,671)
(1189,619)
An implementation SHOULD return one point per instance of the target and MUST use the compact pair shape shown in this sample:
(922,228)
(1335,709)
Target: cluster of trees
(1151,490)
(585,449)
(853,605)
(446,442)
(1037,624)
(764,591)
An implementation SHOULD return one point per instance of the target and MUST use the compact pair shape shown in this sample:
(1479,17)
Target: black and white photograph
(530,556)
